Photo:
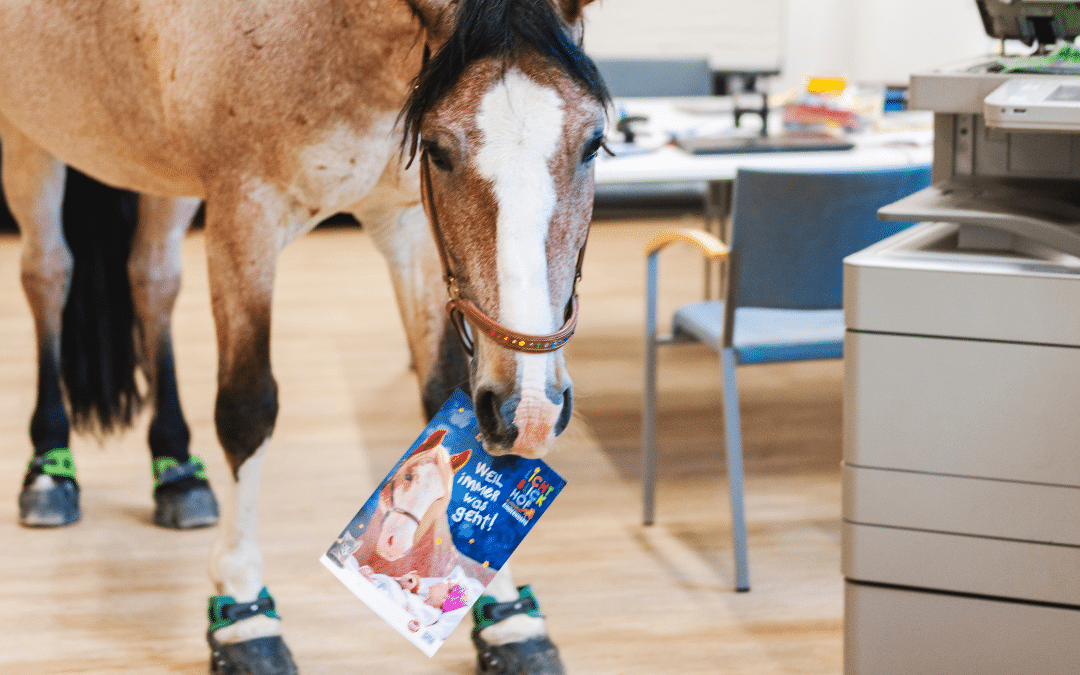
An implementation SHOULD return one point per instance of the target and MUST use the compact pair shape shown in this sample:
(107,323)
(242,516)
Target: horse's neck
(434,547)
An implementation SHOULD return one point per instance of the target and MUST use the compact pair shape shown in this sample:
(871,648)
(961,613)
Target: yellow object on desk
(817,84)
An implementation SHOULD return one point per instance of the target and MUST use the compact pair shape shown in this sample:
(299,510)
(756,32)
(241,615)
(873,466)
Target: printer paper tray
(961,564)
(1055,223)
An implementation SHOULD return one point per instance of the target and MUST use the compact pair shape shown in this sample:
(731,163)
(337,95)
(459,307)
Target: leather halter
(407,514)
(397,509)
(461,308)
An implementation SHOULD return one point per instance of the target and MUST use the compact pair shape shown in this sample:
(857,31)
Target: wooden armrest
(708,244)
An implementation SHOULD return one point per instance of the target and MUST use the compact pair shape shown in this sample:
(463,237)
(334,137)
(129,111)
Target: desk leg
(717,222)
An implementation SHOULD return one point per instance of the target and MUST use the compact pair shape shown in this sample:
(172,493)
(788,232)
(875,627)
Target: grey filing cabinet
(961,475)
(961,471)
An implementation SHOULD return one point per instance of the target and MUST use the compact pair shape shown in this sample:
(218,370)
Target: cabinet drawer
(999,410)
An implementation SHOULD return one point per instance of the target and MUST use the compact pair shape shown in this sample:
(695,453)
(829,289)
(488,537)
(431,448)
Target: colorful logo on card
(528,496)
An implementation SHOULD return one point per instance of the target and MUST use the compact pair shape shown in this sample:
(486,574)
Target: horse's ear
(431,441)
(457,461)
(437,17)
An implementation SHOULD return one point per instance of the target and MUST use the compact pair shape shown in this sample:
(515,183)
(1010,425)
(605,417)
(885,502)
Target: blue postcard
(430,539)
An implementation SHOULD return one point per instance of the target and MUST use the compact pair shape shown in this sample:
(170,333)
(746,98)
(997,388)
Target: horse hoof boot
(51,502)
(260,656)
(535,656)
(185,509)
(50,492)
(182,496)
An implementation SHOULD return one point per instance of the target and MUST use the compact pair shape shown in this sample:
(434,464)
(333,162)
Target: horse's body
(277,115)
(409,531)
(181,99)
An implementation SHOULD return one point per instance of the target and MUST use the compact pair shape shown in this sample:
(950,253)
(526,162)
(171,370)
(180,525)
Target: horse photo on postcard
(409,530)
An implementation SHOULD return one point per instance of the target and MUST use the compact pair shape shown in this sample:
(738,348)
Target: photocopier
(961,469)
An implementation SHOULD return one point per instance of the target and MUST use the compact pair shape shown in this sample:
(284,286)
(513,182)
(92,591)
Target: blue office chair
(783,279)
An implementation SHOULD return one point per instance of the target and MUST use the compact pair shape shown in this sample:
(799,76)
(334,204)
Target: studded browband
(461,309)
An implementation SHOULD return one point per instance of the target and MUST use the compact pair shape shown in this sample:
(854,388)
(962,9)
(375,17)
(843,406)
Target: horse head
(508,115)
(415,496)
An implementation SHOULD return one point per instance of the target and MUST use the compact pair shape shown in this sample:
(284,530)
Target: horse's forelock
(498,28)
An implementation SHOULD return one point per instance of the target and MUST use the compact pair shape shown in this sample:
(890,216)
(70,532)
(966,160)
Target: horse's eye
(439,158)
(591,148)
(408,478)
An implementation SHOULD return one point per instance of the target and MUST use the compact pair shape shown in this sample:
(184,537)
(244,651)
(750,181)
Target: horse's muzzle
(522,424)
(395,536)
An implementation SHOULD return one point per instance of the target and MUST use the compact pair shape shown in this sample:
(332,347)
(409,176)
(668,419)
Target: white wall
(878,40)
(865,40)
(728,32)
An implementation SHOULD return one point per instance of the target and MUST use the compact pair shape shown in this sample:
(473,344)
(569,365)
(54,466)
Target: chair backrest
(657,77)
(792,230)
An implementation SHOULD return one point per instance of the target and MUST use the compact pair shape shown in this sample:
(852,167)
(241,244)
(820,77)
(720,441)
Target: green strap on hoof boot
(58,462)
(224,610)
(170,470)
(488,611)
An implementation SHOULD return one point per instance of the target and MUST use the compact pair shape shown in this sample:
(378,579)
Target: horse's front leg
(509,632)
(514,640)
(182,494)
(242,249)
(33,182)
(404,239)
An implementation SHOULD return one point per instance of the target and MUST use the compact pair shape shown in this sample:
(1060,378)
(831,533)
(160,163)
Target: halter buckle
(452,288)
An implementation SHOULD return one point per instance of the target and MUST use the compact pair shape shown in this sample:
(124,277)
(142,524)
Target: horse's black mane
(499,28)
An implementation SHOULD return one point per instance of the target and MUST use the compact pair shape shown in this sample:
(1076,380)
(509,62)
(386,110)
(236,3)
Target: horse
(460,133)
(409,531)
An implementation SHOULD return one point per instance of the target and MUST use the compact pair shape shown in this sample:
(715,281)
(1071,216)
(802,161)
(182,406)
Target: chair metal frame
(716,252)
(846,195)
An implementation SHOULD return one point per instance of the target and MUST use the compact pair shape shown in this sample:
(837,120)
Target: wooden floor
(116,595)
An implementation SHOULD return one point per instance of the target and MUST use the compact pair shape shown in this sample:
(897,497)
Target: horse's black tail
(97,348)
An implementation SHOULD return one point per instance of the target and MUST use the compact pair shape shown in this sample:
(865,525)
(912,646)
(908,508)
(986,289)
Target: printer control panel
(1035,104)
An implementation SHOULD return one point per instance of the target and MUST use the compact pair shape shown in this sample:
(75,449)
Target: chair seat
(762,335)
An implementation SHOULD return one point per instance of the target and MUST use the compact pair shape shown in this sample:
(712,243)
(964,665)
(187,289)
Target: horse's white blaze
(236,562)
(521,123)
(536,414)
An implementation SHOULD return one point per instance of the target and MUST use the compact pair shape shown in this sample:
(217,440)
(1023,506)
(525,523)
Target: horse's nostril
(567,410)
(487,411)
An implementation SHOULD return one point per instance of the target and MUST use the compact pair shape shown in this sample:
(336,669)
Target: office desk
(667,163)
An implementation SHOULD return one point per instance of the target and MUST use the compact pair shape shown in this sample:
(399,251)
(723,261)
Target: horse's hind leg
(182,495)
(34,185)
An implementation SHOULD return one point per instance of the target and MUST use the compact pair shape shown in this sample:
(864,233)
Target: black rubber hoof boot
(185,505)
(49,506)
(261,656)
(536,656)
